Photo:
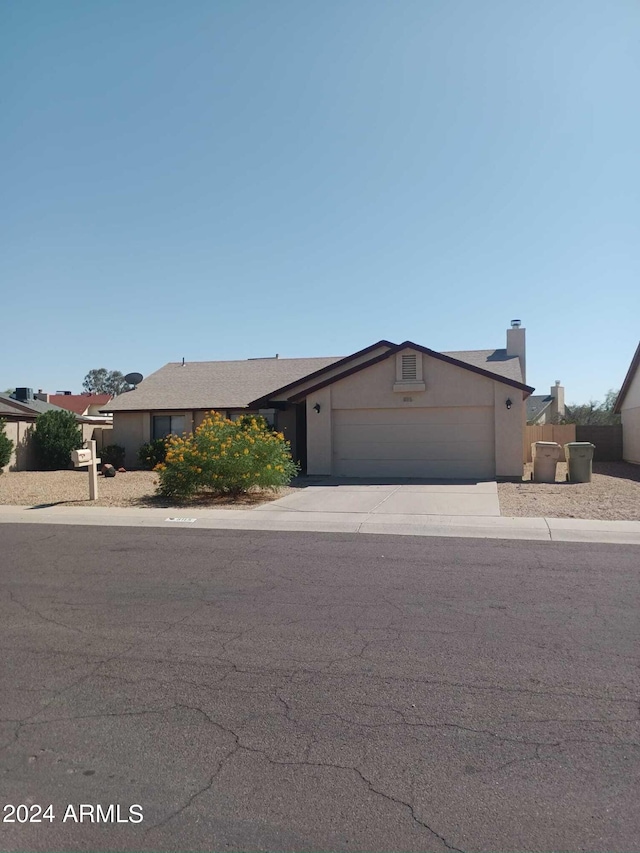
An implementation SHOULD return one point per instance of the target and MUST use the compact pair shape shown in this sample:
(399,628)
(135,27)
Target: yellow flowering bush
(226,457)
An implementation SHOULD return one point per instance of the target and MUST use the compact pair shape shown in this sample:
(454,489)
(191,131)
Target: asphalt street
(255,690)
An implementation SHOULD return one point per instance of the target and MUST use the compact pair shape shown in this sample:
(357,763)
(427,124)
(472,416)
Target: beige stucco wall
(509,429)
(131,430)
(446,386)
(631,435)
(11,431)
(319,448)
(23,457)
(23,454)
(631,421)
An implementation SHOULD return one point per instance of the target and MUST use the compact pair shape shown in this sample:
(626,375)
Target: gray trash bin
(579,456)
(545,455)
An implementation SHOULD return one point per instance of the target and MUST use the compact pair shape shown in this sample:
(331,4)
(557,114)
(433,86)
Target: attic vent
(409,367)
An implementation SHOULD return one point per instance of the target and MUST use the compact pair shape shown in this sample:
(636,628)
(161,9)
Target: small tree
(57,433)
(103,381)
(6,446)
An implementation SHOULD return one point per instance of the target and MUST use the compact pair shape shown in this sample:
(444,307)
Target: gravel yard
(612,494)
(135,488)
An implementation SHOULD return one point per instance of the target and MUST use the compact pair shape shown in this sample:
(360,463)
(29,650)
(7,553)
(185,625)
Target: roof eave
(635,362)
(513,383)
(258,402)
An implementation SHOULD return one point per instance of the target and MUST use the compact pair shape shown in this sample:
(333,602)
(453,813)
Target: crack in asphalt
(33,612)
(300,673)
(311,674)
(239,747)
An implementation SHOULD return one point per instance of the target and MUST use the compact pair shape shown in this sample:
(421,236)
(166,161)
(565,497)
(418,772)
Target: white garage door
(455,443)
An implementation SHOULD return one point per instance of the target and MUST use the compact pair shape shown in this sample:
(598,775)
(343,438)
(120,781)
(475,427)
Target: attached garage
(454,442)
(405,411)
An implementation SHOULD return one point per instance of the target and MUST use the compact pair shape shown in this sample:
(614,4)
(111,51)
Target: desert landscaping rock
(130,489)
(612,495)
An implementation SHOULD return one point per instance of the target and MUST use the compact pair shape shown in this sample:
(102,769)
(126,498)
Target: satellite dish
(133,378)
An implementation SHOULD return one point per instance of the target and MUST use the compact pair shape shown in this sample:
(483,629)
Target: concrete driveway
(411,497)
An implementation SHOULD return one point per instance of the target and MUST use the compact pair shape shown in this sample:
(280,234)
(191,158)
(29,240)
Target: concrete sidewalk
(266,518)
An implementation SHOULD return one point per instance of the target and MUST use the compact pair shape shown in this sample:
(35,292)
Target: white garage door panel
(357,434)
(425,451)
(426,470)
(454,442)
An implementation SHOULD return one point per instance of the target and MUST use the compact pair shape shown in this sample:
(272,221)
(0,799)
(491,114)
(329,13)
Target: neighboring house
(546,408)
(628,406)
(390,410)
(87,405)
(20,411)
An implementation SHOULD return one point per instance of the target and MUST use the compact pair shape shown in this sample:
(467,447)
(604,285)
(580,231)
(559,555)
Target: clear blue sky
(221,179)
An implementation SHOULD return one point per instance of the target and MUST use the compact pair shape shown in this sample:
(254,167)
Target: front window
(164,425)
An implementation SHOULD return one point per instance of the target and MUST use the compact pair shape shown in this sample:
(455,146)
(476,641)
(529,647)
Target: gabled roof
(78,403)
(494,363)
(633,367)
(466,365)
(537,404)
(215,384)
(341,362)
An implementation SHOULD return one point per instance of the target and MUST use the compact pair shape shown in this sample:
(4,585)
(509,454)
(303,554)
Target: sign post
(87,456)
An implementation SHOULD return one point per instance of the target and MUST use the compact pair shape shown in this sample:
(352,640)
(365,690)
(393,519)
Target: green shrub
(226,457)
(6,446)
(57,433)
(113,454)
(153,453)
(247,422)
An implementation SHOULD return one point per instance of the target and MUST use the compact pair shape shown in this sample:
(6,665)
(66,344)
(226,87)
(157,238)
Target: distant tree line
(593,413)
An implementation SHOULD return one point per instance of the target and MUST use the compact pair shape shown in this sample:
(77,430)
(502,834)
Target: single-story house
(20,410)
(546,408)
(628,406)
(389,410)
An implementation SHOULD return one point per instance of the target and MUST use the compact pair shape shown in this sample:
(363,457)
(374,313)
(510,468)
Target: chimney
(557,392)
(516,345)
(42,395)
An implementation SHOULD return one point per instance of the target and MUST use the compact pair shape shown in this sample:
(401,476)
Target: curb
(479,527)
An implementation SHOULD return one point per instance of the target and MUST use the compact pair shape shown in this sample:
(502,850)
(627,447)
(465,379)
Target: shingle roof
(8,409)
(494,360)
(235,384)
(78,403)
(536,405)
(215,384)
(16,407)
